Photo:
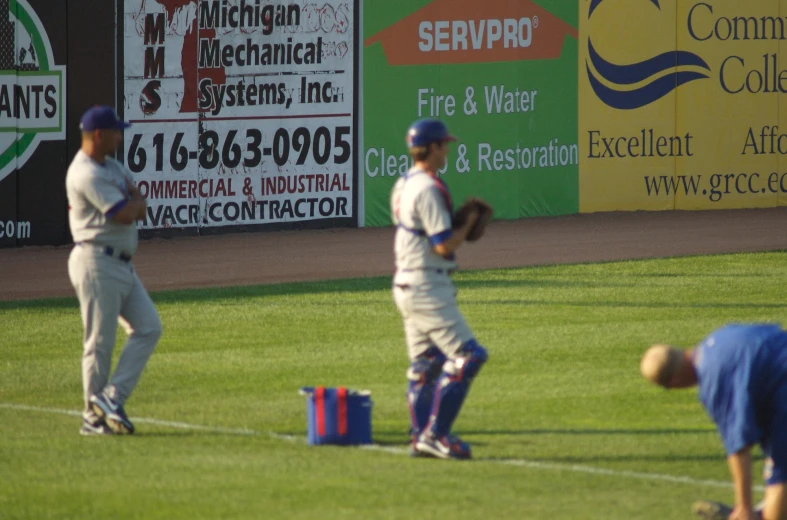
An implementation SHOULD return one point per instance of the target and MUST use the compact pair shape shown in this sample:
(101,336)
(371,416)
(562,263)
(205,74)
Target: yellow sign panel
(781,132)
(679,104)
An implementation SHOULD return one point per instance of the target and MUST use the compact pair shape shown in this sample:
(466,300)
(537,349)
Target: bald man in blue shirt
(741,372)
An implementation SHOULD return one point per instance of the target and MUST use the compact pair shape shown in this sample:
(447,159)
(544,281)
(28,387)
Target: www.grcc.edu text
(716,186)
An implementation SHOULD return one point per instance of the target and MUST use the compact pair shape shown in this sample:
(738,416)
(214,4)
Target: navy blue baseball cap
(426,131)
(101,117)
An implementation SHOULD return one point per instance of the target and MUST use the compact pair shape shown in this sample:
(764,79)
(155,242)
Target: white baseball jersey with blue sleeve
(421,212)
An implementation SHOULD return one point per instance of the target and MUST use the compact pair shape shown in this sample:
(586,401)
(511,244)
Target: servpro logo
(459,31)
(32,87)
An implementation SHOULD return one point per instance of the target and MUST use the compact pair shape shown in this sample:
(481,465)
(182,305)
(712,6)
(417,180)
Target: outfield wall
(561,106)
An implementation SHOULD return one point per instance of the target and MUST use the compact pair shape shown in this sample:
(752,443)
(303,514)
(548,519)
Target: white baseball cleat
(95,428)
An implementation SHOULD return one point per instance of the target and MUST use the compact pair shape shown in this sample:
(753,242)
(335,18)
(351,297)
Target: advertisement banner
(32,122)
(242,110)
(502,74)
(679,105)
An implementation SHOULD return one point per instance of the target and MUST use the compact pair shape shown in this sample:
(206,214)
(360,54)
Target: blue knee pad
(423,374)
(454,383)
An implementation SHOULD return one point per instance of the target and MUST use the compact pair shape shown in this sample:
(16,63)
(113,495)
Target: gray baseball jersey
(95,192)
(108,288)
(419,206)
(423,290)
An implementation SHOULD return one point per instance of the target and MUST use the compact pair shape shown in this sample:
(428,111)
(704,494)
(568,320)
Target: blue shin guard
(453,385)
(423,374)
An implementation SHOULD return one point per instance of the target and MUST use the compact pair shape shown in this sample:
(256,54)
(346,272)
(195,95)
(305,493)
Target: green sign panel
(501,73)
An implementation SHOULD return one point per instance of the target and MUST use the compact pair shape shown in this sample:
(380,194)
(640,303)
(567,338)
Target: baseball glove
(473,204)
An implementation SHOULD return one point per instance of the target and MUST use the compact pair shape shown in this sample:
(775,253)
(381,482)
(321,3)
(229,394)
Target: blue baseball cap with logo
(101,117)
(426,131)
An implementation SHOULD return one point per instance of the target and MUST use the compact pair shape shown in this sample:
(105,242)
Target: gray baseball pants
(431,317)
(110,292)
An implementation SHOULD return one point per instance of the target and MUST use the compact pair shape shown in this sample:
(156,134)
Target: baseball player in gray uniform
(104,205)
(444,355)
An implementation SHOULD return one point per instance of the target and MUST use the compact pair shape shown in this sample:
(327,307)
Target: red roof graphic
(474,31)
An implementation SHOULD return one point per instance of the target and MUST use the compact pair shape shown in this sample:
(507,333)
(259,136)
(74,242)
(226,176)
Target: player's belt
(109,251)
(437,270)
(418,232)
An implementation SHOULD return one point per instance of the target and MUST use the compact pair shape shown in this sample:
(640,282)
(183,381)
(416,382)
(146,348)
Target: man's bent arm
(447,248)
(740,469)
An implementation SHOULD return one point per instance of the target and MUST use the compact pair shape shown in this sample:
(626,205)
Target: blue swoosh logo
(637,72)
(630,99)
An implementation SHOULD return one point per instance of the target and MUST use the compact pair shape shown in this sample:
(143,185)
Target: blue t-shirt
(739,368)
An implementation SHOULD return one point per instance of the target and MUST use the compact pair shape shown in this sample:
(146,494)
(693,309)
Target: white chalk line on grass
(141,420)
(531,464)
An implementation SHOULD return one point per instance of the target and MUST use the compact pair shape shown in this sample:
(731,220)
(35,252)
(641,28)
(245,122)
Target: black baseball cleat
(112,413)
(98,427)
(708,510)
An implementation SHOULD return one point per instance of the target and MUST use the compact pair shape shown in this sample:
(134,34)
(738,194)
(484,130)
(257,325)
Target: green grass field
(562,424)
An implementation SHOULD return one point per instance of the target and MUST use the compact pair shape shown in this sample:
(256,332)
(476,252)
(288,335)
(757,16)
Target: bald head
(667,366)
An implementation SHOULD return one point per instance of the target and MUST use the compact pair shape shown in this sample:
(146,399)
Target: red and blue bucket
(338,415)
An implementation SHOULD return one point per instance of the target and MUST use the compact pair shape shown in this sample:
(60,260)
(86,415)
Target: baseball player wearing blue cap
(741,372)
(104,205)
(444,355)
